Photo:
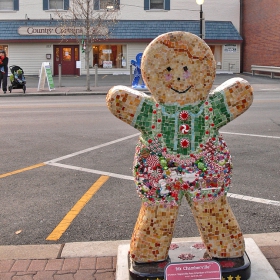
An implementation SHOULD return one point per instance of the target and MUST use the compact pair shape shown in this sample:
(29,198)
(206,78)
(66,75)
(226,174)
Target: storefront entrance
(67,57)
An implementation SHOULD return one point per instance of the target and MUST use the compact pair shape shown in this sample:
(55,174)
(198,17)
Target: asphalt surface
(42,128)
(256,177)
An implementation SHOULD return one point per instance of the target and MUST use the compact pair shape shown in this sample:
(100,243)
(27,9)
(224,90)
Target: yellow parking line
(22,170)
(71,215)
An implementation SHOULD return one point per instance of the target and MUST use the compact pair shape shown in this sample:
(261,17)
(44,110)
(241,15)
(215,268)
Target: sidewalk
(91,260)
(102,90)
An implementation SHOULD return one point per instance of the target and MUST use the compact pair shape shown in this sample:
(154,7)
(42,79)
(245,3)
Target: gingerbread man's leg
(153,233)
(219,229)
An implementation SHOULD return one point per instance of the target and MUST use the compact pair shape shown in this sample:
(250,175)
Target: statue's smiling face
(177,75)
(186,75)
(178,67)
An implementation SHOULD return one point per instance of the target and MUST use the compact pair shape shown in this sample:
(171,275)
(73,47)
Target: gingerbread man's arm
(229,100)
(123,102)
(238,95)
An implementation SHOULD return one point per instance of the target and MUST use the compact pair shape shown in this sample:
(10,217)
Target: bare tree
(87,21)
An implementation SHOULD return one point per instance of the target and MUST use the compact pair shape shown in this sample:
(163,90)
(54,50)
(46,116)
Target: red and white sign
(209,270)
(107,64)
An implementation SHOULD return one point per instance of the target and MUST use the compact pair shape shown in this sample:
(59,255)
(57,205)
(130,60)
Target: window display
(108,56)
(4,48)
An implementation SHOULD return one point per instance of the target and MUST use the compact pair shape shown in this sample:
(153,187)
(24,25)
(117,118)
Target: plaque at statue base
(232,268)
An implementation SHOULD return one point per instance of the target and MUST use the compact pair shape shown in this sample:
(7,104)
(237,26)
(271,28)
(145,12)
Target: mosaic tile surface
(180,152)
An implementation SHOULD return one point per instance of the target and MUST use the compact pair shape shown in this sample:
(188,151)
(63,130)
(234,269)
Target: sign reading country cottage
(46,30)
(60,30)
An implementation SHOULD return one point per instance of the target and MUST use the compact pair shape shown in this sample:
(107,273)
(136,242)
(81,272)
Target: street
(55,148)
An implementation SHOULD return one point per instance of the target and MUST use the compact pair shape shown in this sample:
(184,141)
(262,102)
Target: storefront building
(30,41)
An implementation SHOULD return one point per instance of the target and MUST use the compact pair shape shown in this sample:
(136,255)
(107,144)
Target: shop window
(55,4)
(106,4)
(76,54)
(212,49)
(217,52)
(156,4)
(4,48)
(109,56)
(66,54)
(57,55)
(9,5)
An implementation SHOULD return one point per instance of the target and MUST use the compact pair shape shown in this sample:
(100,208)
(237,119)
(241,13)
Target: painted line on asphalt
(254,199)
(137,134)
(125,177)
(131,178)
(22,170)
(252,135)
(99,172)
(91,149)
(269,89)
(38,106)
(46,111)
(266,101)
(76,209)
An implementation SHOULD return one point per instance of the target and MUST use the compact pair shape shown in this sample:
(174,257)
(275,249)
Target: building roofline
(122,31)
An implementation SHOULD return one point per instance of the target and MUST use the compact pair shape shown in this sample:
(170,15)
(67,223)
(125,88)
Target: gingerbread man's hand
(123,102)
(238,95)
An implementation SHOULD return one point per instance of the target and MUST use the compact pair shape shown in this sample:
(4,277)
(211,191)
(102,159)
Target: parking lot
(66,167)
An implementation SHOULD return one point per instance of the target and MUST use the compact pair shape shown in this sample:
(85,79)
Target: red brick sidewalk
(93,268)
(272,253)
(91,260)
(88,268)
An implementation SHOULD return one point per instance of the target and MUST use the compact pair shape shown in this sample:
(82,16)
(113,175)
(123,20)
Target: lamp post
(200,2)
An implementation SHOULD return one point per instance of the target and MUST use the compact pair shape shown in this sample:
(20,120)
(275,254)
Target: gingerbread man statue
(180,152)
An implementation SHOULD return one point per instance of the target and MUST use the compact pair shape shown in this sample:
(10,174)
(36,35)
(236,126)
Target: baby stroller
(17,78)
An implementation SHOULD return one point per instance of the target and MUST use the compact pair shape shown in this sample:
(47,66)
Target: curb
(62,93)
(103,248)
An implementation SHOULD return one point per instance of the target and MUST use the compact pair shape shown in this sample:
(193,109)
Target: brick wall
(261,33)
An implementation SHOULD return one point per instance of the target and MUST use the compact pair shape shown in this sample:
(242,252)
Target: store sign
(107,51)
(107,64)
(46,30)
(46,74)
(78,64)
(56,30)
(193,270)
(230,48)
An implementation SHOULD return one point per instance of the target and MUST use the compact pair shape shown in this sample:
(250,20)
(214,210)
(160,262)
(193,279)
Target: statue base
(232,268)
